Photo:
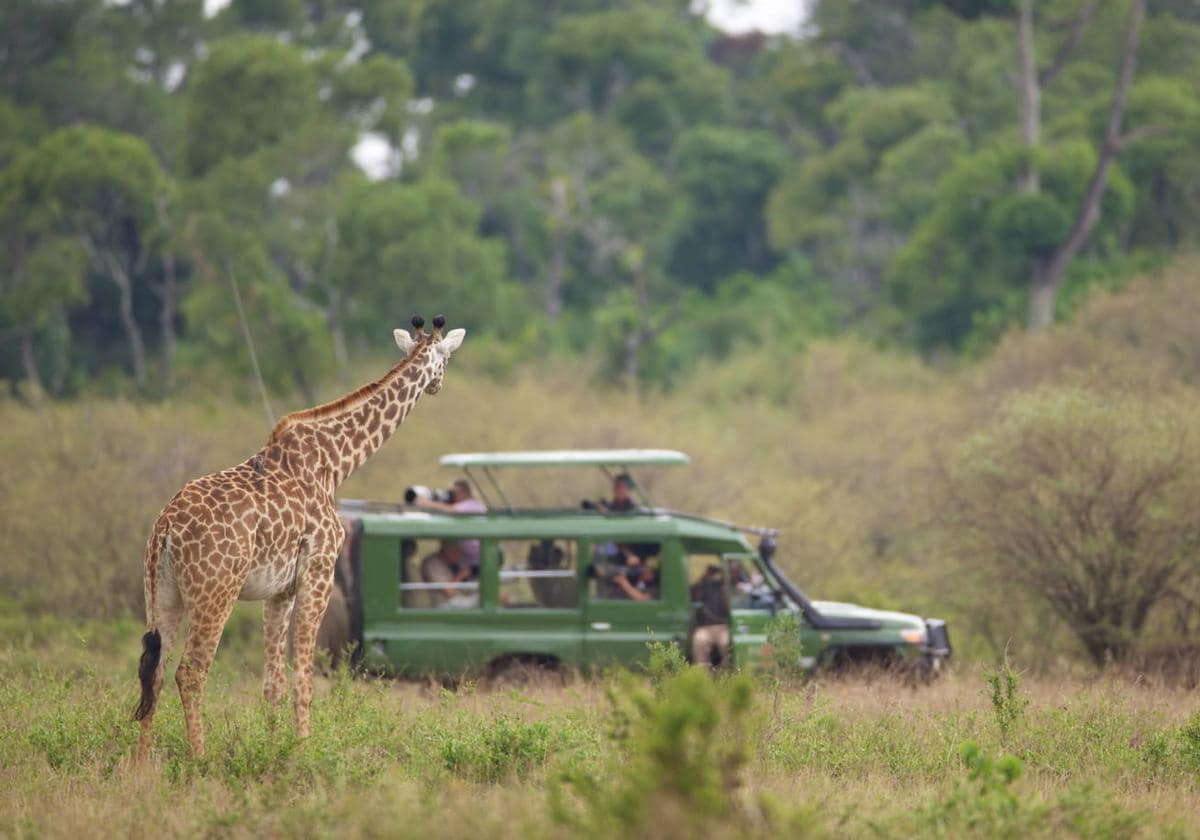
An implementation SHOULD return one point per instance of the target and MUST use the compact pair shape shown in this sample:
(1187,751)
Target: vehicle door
(752,606)
(537,609)
(618,624)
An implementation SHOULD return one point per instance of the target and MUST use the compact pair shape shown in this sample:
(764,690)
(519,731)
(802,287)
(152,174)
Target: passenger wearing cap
(621,501)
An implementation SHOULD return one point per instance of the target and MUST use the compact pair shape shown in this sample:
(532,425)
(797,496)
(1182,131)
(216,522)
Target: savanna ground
(666,753)
(864,458)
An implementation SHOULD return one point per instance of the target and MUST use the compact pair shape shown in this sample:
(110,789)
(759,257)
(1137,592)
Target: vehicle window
(439,574)
(538,574)
(745,584)
(625,572)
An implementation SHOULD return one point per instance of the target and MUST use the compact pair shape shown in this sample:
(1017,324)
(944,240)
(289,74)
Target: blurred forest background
(917,285)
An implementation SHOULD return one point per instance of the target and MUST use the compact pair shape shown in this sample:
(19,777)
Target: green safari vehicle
(544,594)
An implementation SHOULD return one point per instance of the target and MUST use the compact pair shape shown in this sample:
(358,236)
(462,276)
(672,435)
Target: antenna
(262,388)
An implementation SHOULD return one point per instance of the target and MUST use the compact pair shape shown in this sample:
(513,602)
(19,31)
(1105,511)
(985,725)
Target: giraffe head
(430,350)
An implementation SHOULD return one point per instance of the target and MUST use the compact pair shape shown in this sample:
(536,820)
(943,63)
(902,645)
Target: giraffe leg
(167,622)
(204,634)
(277,617)
(312,597)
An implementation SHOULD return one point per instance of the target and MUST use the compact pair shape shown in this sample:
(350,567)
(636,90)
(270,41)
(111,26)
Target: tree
(829,205)
(1086,500)
(725,175)
(406,248)
(1048,270)
(967,260)
(102,189)
(225,113)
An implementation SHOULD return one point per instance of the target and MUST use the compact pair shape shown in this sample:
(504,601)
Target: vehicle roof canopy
(566,458)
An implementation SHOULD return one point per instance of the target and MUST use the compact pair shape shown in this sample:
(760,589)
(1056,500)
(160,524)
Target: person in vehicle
(637,582)
(455,561)
(710,637)
(622,501)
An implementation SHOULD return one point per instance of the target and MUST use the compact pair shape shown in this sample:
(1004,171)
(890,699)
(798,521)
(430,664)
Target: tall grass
(674,754)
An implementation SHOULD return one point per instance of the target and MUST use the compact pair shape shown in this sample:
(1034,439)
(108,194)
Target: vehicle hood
(839,609)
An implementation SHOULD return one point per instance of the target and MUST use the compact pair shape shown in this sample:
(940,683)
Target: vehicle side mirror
(766,548)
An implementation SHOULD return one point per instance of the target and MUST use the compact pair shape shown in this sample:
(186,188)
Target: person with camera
(710,636)
(456,561)
(632,554)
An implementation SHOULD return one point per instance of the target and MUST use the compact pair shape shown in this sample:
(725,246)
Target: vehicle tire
(523,672)
(334,636)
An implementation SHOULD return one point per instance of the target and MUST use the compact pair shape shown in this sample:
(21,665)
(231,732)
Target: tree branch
(1089,209)
(855,63)
(1142,132)
(1070,44)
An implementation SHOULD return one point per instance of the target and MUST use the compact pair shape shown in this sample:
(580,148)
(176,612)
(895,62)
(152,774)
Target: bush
(1087,499)
(681,751)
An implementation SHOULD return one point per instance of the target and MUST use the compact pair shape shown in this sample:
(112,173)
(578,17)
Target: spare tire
(334,634)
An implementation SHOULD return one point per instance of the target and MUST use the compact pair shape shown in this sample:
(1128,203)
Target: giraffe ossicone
(267,529)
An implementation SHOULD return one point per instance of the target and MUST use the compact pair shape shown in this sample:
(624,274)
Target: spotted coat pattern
(267,529)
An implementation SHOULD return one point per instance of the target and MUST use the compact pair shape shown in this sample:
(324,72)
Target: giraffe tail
(151,652)
(152,640)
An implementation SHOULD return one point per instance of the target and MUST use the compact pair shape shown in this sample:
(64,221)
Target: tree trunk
(133,333)
(552,301)
(631,346)
(1041,313)
(168,306)
(109,266)
(1041,296)
(29,361)
(1030,97)
(333,317)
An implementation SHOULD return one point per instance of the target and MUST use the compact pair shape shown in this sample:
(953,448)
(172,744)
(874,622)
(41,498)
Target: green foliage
(725,176)
(507,747)
(666,660)
(1029,223)
(787,647)
(225,115)
(681,759)
(625,161)
(1008,704)
(1085,499)
(423,238)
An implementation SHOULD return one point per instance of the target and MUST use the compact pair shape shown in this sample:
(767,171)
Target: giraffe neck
(344,433)
(360,434)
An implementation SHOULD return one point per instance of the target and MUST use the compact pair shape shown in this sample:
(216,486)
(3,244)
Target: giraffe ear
(452,340)
(404,341)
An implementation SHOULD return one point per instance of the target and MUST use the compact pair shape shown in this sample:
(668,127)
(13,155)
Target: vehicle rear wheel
(333,637)
(523,672)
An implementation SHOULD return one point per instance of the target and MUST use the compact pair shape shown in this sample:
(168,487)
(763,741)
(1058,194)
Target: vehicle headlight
(914,635)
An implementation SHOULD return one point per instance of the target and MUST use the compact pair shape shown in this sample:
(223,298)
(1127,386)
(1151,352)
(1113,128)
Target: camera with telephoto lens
(420,491)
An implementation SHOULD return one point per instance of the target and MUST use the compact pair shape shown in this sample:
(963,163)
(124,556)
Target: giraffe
(268,530)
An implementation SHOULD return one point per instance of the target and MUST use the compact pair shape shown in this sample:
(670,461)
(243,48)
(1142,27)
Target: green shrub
(1008,704)
(506,747)
(666,660)
(679,762)
(786,648)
